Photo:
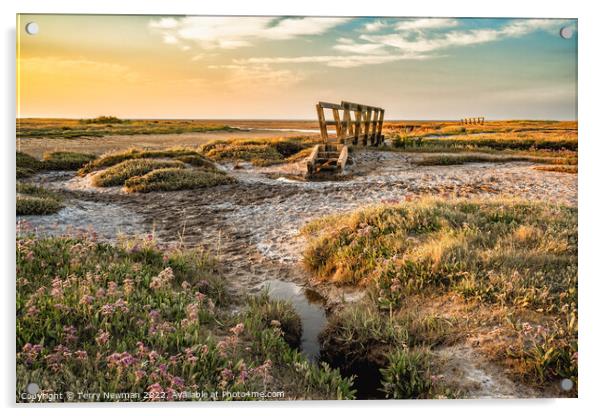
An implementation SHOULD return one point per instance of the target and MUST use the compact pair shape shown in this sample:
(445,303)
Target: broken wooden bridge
(353,123)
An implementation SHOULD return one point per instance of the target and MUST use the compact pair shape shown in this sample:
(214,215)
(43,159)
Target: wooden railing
(473,120)
(354,123)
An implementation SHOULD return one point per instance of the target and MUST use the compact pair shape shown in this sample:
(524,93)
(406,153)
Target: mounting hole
(566,33)
(566,384)
(32,28)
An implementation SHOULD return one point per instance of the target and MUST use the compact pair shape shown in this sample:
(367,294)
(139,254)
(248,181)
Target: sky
(80,66)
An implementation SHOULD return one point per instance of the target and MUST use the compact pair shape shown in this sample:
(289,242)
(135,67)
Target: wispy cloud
(338,61)
(383,42)
(426,23)
(237,32)
(416,37)
(375,26)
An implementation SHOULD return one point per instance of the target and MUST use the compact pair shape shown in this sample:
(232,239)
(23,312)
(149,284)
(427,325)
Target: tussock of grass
(174,179)
(66,160)
(34,200)
(407,375)
(147,323)
(27,165)
(278,315)
(188,155)
(558,168)
(260,152)
(508,254)
(120,173)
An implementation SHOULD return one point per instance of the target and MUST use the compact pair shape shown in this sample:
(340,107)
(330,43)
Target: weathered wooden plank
(342,160)
(324,104)
(322,122)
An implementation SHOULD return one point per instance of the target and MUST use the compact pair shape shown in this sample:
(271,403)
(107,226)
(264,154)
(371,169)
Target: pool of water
(309,305)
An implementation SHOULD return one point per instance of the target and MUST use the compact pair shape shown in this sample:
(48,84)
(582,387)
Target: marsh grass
(260,152)
(508,254)
(35,200)
(558,168)
(118,174)
(389,353)
(66,160)
(185,155)
(151,322)
(534,141)
(447,160)
(28,165)
(174,179)
(108,126)
(275,314)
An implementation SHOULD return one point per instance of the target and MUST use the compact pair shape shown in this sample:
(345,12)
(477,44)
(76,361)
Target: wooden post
(367,118)
(381,120)
(322,122)
(337,120)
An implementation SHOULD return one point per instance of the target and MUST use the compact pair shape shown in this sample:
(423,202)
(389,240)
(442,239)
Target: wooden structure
(473,120)
(353,123)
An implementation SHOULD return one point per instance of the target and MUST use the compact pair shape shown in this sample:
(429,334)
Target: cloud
(349,45)
(427,23)
(238,32)
(375,26)
(338,61)
(413,36)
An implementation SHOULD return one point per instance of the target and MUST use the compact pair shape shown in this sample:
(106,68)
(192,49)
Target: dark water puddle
(309,305)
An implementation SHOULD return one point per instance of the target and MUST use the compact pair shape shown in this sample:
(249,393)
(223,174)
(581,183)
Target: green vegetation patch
(109,125)
(110,159)
(558,168)
(511,255)
(175,179)
(35,200)
(118,175)
(66,160)
(27,165)
(260,152)
(533,141)
(447,160)
(134,318)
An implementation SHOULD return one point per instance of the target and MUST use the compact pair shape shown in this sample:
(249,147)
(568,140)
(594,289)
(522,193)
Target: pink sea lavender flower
(69,334)
(81,355)
(86,300)
(154,315)
(238,329)
(57,288)
(32,311)
(113,289)
(128,286)
(155,392)
(103,337)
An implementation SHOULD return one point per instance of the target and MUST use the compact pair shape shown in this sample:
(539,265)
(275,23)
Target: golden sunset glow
(229,67)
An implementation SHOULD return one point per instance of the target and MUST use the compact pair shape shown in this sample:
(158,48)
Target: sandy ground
(254,224)
(38,146)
